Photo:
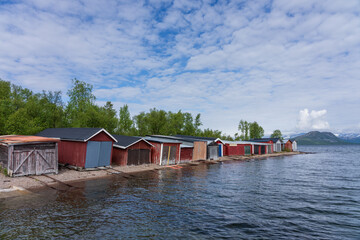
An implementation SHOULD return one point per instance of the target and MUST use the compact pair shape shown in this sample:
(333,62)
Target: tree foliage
(256,131)
(277,134)
(25,112)
(249,130)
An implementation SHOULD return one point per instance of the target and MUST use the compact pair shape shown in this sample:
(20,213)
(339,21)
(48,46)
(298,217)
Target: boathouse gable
(130,150)
(83,147)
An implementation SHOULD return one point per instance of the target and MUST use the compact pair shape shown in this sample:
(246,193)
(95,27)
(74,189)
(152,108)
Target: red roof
(15,139)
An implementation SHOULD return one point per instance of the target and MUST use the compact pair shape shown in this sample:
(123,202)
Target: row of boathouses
(88,148)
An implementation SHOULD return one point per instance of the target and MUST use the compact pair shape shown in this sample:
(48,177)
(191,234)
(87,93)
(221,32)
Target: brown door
(138,156)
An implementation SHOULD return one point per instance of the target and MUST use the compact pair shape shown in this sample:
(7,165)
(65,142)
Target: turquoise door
(98,154)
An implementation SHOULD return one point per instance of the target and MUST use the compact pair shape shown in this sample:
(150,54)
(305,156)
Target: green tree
(5,104)
(277,134)
(108,117)
(141,124)
(81,108)
(52,110)
(244,127)
(175,123)
(256,131)
(189,128)
(125,123)
(197,124)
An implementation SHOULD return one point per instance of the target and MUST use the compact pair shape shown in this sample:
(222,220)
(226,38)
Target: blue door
(105,154)
(220,152)
(98,154)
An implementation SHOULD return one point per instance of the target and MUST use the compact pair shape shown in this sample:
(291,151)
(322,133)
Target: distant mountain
(319,138)
(350,137)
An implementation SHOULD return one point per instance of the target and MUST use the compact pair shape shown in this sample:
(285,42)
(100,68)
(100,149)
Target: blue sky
(289,65)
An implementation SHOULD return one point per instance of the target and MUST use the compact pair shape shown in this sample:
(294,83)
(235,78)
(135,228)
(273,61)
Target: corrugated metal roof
(194,137)
(186,145)
(76,134)
(265,139)
(181,139)
(161,140)
(18,139)
(245,142)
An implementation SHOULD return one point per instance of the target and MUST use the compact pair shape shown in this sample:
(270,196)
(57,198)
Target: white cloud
(314,120)
(228,60)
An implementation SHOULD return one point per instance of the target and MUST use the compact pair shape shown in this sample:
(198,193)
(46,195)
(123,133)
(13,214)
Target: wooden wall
(33,159)
(186,154)
(120,156)
(199,151)
(72,153)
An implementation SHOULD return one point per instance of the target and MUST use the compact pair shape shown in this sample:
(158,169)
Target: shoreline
(12,187)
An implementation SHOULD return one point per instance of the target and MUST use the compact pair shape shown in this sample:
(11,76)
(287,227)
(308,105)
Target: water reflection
(305,196)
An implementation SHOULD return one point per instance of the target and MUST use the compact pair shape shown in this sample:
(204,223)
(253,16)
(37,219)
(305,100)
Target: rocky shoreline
(10,187)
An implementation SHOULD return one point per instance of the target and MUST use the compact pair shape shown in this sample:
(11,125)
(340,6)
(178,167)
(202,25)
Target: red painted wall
(102,137)
(288,145)
(120,156)
(186,154)
(73,153)
(239,149)
(155,152)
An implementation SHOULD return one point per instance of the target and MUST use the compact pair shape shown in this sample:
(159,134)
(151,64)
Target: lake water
(312,196)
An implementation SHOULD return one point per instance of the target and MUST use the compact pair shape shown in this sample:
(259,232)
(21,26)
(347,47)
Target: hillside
(350,137)
(318,138)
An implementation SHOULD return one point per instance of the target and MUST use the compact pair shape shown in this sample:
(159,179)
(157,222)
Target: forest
(24,112)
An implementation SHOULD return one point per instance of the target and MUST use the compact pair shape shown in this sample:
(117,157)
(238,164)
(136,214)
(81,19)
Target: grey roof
(245,142)
(75,134)
(160,140)
(189,140)
(194,137)
(127,141)
(265,139)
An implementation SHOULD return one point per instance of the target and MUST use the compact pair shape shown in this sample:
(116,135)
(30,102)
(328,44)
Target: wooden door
(168,155)
(138,156)
(98,154)
(34,159)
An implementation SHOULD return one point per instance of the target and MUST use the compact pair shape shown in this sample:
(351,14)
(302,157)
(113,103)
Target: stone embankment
(22,185)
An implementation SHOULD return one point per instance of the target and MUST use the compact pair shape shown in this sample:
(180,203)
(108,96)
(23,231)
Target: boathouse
(131,151)
(199,145)
(275,143)
(83,147)
(186,152)
(204,147)
(294,144)
(237,148)
(28,155)
(165,151)
(287,145)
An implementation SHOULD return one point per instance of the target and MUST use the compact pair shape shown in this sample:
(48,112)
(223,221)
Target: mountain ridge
(319,138)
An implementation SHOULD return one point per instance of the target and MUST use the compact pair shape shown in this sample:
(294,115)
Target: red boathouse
(82,147)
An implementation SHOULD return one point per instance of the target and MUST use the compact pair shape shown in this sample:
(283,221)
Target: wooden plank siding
(30,159)
(120,156)
(186,154)
(199,151)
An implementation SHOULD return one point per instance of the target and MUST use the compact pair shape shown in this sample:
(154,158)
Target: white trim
(218,139)
(161,153)
(100,132)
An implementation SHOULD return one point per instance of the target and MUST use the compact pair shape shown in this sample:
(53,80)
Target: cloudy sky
(289,65)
